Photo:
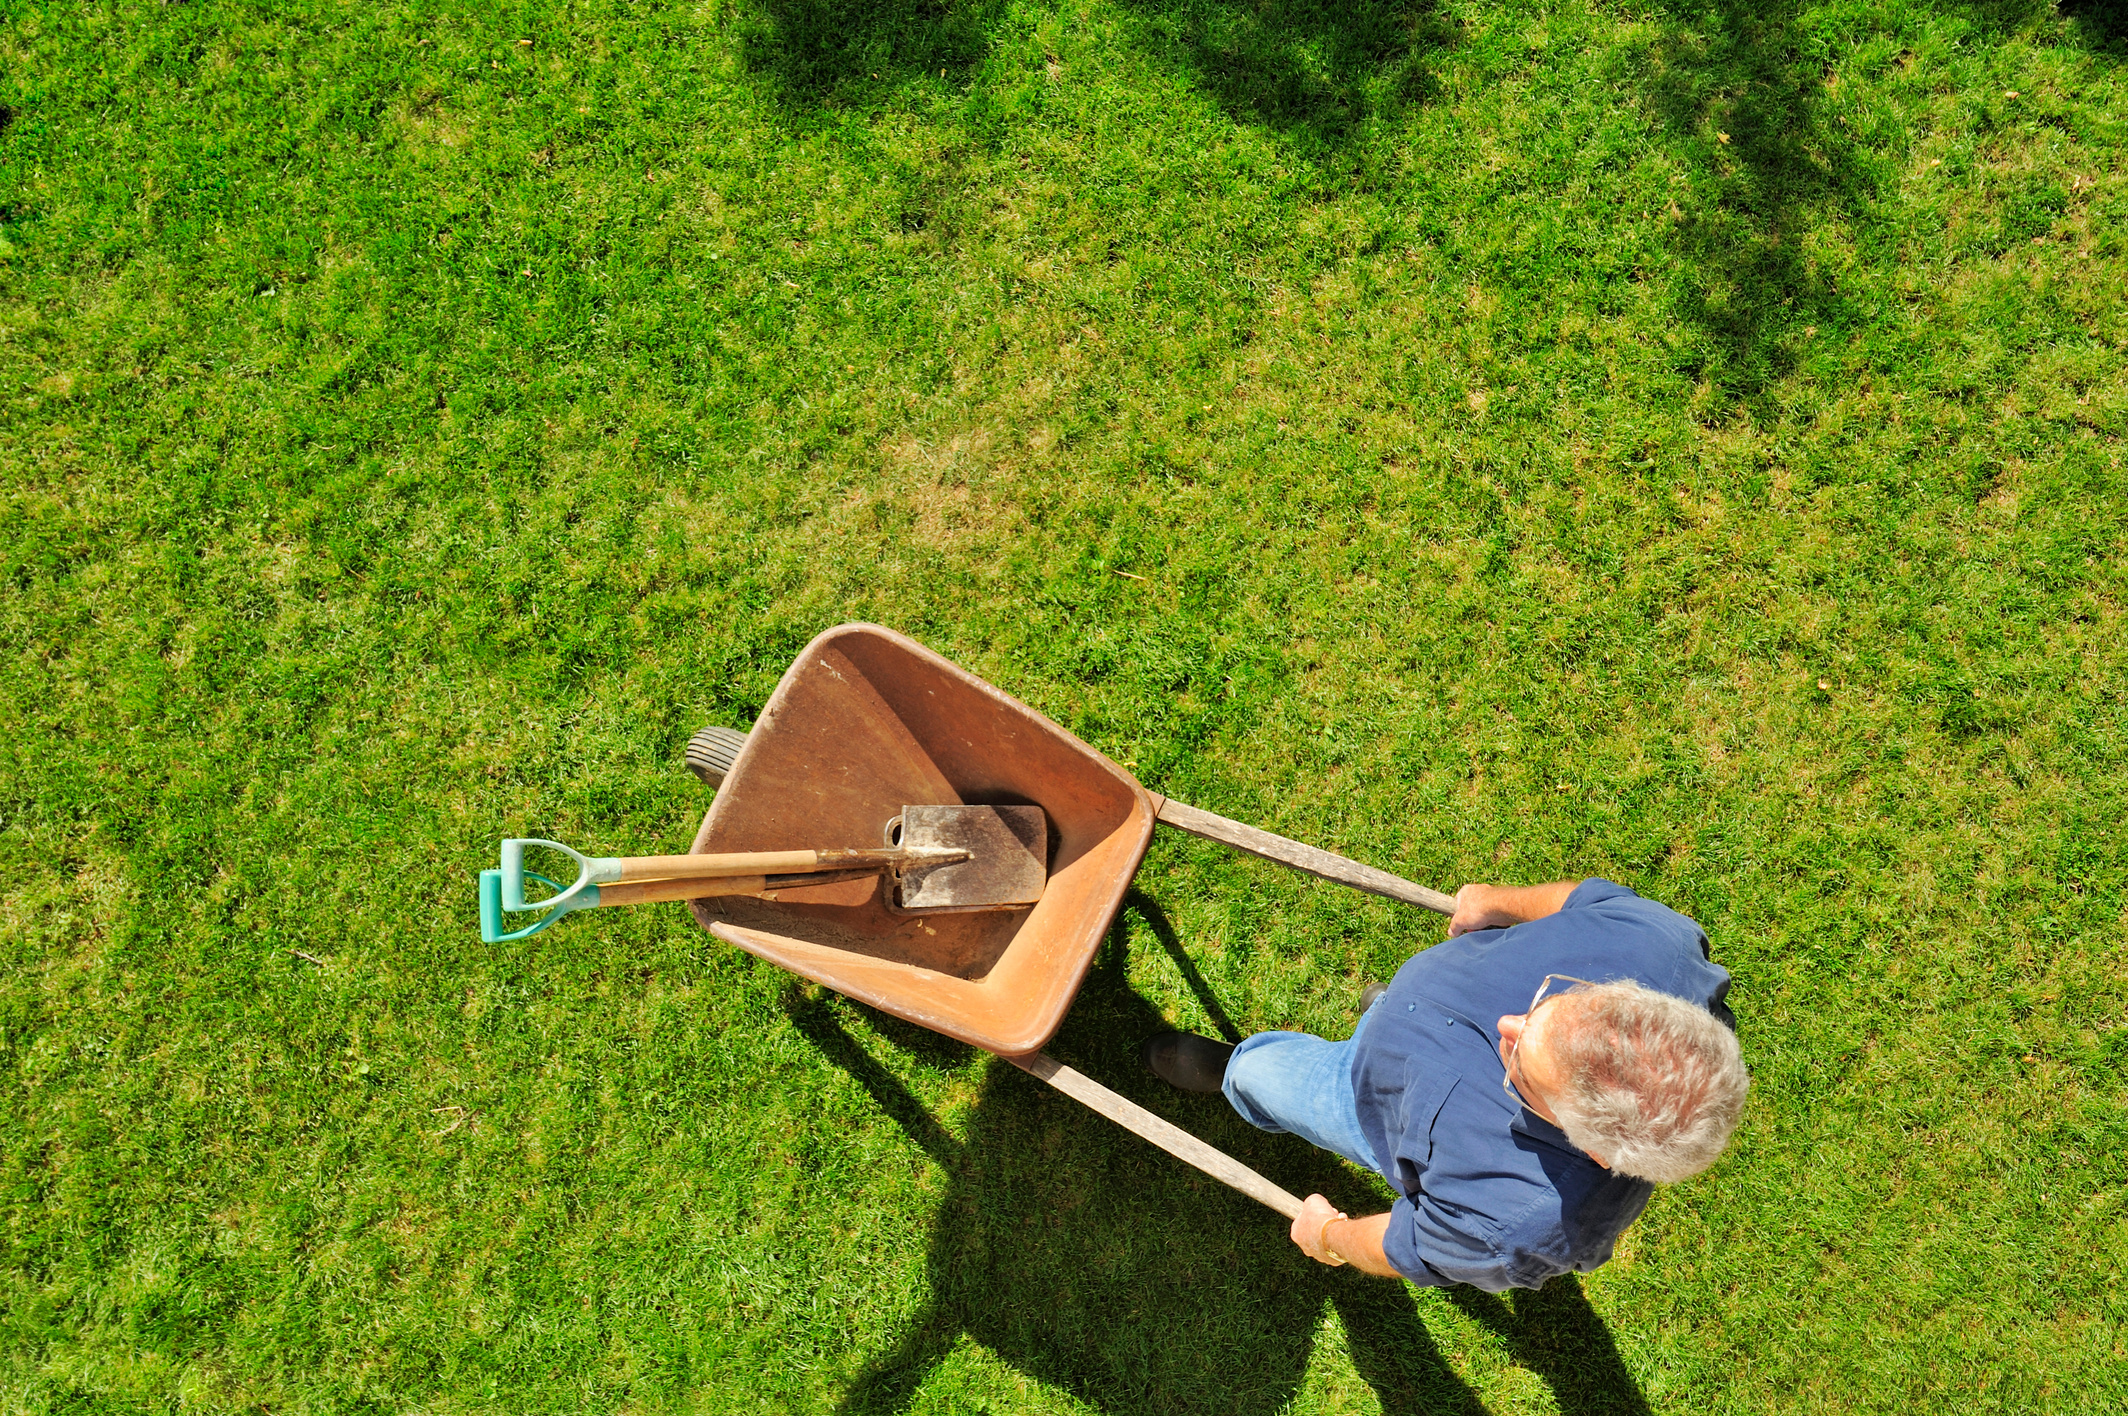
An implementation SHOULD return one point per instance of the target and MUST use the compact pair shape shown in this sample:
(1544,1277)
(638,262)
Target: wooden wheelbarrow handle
(1327,864)
(1164,1134)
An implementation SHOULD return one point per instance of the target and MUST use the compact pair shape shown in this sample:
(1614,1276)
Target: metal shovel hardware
(940,859)
(1003,857)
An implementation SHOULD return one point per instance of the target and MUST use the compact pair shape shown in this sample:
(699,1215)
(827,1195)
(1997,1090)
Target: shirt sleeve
(1594,891)
(1433,1246)
(1612,901)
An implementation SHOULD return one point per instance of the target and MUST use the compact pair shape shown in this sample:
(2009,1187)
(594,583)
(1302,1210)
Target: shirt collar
(1530,1124)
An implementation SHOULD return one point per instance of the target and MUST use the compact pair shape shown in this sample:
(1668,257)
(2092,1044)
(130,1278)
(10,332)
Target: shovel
(940,858)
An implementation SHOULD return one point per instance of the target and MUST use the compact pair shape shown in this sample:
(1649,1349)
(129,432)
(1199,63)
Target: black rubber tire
(711,752)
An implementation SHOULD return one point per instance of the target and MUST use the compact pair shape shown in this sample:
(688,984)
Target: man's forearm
(1528,902)
(1359,1243)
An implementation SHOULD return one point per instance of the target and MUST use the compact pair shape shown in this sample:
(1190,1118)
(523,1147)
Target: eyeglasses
(1514,1048)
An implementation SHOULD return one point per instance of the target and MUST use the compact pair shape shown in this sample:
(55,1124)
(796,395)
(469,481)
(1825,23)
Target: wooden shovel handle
(643,892)
(745,863)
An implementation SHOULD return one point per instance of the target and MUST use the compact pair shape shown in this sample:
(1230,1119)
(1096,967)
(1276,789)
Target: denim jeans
(1297,1082)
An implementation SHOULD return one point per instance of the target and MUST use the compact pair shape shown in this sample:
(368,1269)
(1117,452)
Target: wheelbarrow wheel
(711,752)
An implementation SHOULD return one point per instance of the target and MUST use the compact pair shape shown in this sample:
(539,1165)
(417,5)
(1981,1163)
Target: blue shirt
(1491,1193)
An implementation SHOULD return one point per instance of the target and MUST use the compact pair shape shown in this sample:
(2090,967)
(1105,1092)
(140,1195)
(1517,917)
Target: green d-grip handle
(492,906)
(592,872)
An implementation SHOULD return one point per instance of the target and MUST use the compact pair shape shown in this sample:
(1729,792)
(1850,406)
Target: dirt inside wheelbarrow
(866,722)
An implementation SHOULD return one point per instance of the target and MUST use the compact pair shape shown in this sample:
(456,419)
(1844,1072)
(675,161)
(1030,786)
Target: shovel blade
(1007,864)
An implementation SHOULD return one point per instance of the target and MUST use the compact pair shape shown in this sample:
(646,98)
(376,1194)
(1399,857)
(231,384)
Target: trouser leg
(1299,1083)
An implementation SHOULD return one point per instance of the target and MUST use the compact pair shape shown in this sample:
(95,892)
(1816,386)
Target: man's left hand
(1480,906)
(1308,1227)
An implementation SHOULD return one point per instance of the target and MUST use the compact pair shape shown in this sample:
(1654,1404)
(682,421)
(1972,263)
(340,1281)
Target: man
(1520,1086)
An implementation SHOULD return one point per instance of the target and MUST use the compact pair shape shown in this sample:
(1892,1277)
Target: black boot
(1185,1060)
(1370,995)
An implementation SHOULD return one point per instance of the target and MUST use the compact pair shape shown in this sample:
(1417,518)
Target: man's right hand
(1357,1242)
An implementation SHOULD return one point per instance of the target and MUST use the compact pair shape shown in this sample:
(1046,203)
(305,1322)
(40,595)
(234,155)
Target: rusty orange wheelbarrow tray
(867,721)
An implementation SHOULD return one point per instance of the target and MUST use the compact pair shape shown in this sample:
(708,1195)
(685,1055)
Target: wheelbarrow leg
(1169,1137)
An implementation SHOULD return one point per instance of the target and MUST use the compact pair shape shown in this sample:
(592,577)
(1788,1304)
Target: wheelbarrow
(867,720)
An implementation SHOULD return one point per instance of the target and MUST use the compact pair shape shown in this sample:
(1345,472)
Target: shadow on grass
(1556,1334)
(2101,24)
(1732,83)
(1314,68)
(1088,1260)
(1727,82)
(1142,905)
(824,51)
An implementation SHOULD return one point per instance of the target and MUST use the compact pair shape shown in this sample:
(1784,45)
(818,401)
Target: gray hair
(1654,1084)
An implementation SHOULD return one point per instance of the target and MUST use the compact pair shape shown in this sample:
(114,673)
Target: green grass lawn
(1678,440)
